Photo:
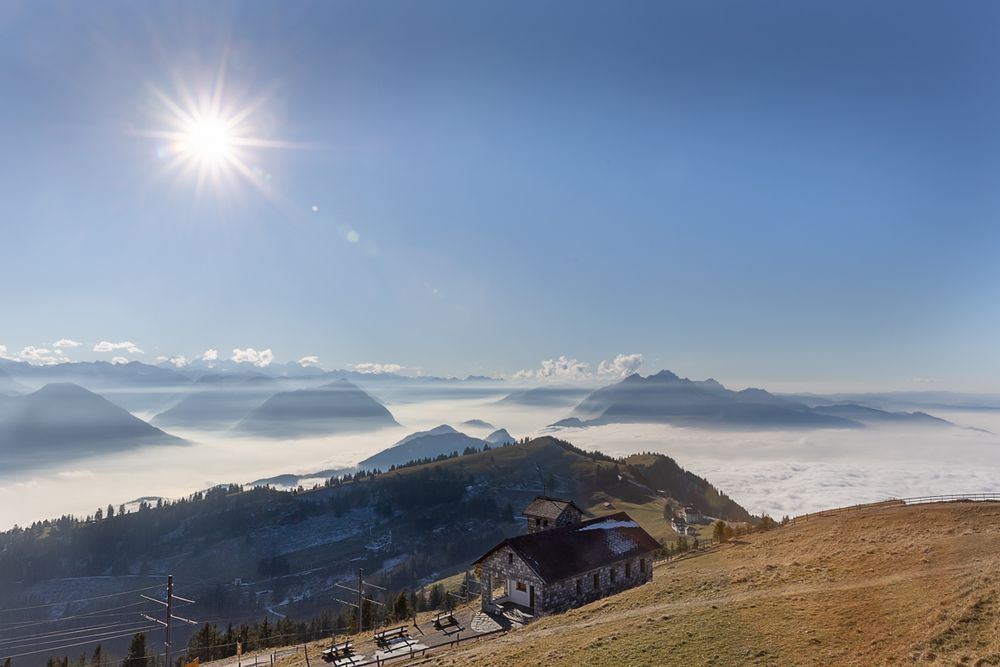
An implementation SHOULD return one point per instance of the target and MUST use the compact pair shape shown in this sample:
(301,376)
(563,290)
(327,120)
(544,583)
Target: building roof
(548,508)
(568,551)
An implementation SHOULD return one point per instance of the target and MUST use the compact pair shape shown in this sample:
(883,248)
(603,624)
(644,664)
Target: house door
(520,593)
(531,596)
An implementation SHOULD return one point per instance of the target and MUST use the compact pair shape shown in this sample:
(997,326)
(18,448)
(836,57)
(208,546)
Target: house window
(545,523)
(612,575)
(597,580)
(579,586)
(521,586)
(510,558)
(628,570)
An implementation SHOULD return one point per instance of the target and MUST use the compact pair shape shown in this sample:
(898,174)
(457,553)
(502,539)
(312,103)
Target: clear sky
(780,193)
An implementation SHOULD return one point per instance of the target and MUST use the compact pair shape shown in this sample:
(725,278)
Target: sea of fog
(778,472)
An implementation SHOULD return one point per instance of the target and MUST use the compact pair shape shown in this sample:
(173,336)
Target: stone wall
(563,595)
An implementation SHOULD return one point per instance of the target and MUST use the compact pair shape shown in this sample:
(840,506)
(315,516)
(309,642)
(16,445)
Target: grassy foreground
(907,585)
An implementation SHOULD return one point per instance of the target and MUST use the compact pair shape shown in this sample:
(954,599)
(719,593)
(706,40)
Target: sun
(207,140)
(211,139)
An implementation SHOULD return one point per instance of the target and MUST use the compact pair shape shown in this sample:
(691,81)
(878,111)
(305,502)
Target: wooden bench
(341,650)
(384,637)
(443,618)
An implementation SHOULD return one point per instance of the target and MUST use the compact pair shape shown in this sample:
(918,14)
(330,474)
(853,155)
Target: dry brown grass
(884,586)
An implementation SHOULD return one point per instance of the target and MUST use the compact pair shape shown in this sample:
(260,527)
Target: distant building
(551,570)
(679,525)
(545,512)
(692,515)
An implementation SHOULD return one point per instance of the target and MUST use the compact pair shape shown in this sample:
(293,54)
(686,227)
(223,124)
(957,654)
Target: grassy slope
(887,586)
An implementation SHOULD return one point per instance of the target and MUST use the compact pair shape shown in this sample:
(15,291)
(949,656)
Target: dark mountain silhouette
(545,396)
(423,444)
(337,407)
(65,420)
(500,437)
(667,398)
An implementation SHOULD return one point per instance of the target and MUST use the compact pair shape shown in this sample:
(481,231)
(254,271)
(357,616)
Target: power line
(96,597)
(82,643)
(13,625)
(70,631)
(93,637)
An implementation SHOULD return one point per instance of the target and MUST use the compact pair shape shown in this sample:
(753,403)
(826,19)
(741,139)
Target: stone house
(549,571)
(545,512)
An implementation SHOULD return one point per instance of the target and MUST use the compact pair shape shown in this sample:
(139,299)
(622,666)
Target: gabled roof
(559,553)
(548,508)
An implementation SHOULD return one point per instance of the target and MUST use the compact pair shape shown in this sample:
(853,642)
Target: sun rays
(212,139)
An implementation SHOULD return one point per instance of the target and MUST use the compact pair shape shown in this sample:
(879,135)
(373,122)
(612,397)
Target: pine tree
(401,607)
(719,531)
(136,651)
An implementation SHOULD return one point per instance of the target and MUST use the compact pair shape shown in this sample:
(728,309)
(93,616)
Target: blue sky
(767,193)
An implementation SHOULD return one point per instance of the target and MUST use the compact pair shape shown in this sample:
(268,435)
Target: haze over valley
(775,454)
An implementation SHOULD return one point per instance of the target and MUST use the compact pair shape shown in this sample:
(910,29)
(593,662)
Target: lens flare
(211,138)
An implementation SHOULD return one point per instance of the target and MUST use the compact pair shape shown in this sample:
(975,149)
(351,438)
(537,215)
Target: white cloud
(35,355)
(128,346)
(66,342)
(566,369)
(260,358)
(178,361)
(41,355)
(309,361)
(621,366)
(119,360)
(562,368)
(210,355)
(370,367)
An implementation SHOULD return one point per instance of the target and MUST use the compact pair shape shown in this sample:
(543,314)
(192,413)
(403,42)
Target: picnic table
(341,650)
(384,637)
(442,616)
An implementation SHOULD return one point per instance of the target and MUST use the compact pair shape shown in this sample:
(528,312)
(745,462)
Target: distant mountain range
(94,374)
(667,398)
(338,407)
(901,400)
(63,420)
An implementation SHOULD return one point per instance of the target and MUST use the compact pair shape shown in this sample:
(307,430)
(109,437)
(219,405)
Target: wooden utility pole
(170,607)
(361,588)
